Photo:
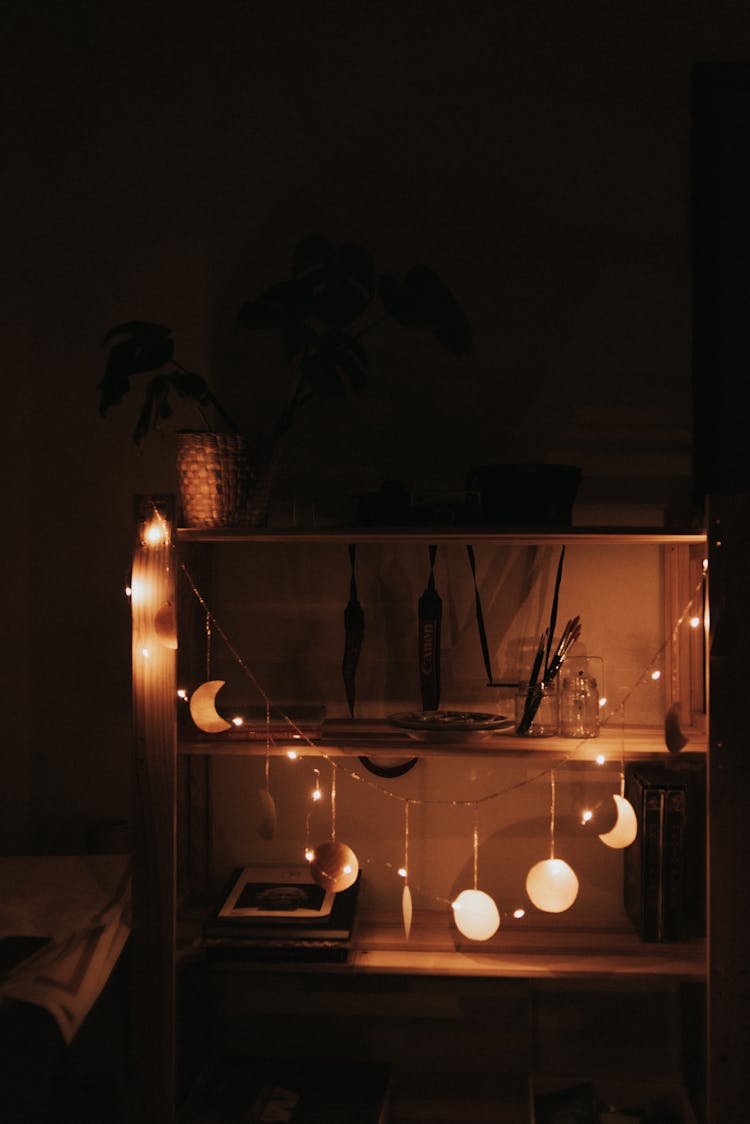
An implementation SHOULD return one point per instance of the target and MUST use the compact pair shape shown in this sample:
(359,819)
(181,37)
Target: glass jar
(537,710)
(579,705)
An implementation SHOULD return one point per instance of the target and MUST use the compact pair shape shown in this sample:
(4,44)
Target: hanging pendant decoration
(354,632)
(475,912)
(406,903)
(551,884)
(333,865)
(430,615)
(203,708)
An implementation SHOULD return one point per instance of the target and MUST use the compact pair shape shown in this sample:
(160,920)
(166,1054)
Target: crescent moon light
(203,708)
(626,825)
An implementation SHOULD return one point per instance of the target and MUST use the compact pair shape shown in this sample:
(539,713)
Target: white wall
(161,161)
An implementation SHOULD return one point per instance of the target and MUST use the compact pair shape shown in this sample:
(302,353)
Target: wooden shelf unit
(584,953)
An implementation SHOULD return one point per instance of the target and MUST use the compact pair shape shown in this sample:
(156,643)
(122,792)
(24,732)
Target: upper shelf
(518,536)
(345,738)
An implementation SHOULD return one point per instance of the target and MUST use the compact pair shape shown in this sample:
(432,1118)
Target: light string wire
(552,810)
(453,802)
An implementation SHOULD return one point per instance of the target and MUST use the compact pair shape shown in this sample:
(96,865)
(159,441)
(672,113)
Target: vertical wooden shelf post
(154,810)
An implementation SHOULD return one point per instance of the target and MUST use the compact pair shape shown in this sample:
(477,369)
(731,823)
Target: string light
(554,865)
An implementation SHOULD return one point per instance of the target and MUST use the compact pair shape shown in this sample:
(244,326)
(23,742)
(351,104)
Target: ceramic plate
(459,724)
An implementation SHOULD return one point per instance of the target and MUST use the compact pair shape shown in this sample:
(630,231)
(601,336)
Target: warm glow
(317,794)
(587,816)
(402,872)
(128,591)
(145,653)
(476,915)
(656,675)
(309,855)
(292,754)
(238,721)
(181,693)
(694,622)
(600,758)
(552,885)
(602,702)
(156,533)
(518,913)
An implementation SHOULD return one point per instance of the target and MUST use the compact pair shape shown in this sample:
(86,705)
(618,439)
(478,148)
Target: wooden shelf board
(511,536)
(376,738)
(607,952)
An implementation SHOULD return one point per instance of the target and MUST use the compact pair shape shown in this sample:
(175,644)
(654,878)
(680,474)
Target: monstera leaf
(141,347)
(423,301)
(145,347)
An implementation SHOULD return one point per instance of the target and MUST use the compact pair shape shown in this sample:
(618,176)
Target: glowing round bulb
(518,913)
(656,675)
(309,855)
(694,622)
(292,754)
(476,915)
(602,702)
(181,693)
(600,758)
(401,872)
(145,653)
(552,885)
(587,816)
(154,533)
(317,794)
(237,721)
(334,866)
(128,591)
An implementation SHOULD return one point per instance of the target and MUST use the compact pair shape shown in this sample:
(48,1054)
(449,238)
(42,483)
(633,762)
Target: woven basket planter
(213,476)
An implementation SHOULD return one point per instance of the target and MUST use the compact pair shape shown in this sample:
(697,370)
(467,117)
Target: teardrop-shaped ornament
(267,821)
(406,909)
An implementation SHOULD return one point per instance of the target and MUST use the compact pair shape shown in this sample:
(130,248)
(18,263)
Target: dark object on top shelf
(539,494)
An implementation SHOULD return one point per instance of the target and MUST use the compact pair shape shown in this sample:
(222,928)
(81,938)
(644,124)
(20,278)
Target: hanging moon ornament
(203,708)
(165,625)
(626,825)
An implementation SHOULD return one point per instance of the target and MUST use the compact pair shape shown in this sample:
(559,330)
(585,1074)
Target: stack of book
(276,912)
(664,868)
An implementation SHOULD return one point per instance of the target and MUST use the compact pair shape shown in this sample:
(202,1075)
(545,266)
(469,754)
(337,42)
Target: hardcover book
(282,904)
(664,868)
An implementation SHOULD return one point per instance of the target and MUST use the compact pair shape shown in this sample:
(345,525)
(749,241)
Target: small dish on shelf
(459,725)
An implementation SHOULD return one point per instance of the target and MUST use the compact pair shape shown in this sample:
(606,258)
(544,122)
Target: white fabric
(82,902)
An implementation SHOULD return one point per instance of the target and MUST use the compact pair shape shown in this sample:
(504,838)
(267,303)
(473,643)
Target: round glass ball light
(334,866)
(476,915)
(552,885)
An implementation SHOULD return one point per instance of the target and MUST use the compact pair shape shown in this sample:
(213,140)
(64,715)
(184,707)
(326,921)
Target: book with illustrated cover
(664,868)
(282,903)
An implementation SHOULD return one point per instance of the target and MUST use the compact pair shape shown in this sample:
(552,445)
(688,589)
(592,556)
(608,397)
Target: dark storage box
(540,494)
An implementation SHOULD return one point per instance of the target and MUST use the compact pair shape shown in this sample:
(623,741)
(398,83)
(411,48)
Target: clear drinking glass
(537,710)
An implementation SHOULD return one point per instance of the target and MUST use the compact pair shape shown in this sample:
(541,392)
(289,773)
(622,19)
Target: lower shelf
(434,948)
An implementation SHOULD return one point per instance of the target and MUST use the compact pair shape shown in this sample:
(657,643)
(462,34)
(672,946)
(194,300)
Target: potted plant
(322,313)
(211,462)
